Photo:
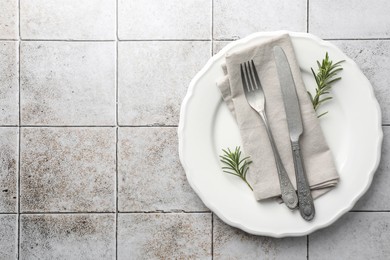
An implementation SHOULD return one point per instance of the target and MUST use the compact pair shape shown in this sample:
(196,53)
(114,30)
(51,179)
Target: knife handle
(305,200)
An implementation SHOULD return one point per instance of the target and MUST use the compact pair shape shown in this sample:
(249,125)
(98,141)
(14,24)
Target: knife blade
(295,127)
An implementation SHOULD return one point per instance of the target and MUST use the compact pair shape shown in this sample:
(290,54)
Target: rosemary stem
(247,183)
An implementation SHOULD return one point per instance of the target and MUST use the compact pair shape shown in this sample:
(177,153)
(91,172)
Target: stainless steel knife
(295,127)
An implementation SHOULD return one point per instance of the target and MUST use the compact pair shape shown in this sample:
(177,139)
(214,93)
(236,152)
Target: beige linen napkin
(320,169)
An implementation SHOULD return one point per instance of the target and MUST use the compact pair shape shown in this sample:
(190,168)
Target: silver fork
(256,99)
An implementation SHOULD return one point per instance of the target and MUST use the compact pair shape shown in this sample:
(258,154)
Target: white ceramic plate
(352,129)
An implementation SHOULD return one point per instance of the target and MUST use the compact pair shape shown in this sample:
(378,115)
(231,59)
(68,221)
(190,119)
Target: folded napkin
(320,168)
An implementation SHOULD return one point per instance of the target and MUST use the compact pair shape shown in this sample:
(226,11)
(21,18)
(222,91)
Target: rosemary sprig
(325,77)
(235,165)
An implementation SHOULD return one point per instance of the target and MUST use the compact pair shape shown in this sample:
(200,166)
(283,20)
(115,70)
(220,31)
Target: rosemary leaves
(325,77)
(235,165)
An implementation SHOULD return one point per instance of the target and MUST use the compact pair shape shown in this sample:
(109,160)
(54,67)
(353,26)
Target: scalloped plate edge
(181,128)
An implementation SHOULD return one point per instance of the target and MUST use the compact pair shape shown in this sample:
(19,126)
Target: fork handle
(287,190)
(306,204)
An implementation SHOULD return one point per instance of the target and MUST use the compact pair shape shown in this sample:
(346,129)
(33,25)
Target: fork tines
(249,75)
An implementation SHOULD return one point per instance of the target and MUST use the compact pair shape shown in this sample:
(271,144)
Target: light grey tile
(67,169)
(68,19)
(373,58)
(341,19)
(232,243)
(235,19)
(219,45)
(67,236)
(8,169)
(150,175)
(164,236)
(153,79)
(68,83)
(378,196)
(357,235)
(9,83)
(170,19)
(8,237)
(9,28)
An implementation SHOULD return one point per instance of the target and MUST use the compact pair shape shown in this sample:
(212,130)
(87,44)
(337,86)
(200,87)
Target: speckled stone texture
(234,19)
(372,56)
(169,19)
(232,243)
(150,175)
(219,45)
(9,83)
(343,19)
(153,96)
(8,169)
(377,197)
(164,235)
(67,83)
(357,235)
(90,95)
(67,170)
(67,236)
(67,19)
(8,236)
(9,28)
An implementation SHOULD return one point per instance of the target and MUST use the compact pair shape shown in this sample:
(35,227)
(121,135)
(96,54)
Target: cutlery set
(256,99)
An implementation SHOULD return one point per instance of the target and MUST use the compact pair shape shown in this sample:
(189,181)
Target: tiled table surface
(90,93)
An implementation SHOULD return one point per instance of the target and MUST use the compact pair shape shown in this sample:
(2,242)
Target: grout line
(63,40)
(325,39)
(189,40)
(116,194)
(212,27)
(212,236)
(117,127)
(20,34)
(18,193)
(307,247)
(19,137)
(356,39)
(307,15)
(164,212)
(370,211)
(225,40)
(105,126)
(153,125)
(117,20)
(66,213)
(112,212)
(86,126)
(116,66)
(9,40)
(165,40)
(116,40)
(149,212)
(69,126)
(116,88)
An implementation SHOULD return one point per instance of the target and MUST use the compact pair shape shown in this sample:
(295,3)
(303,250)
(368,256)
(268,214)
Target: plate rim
(181,128)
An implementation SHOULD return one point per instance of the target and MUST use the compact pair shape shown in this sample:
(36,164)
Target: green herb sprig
(324,77)
(235,165)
